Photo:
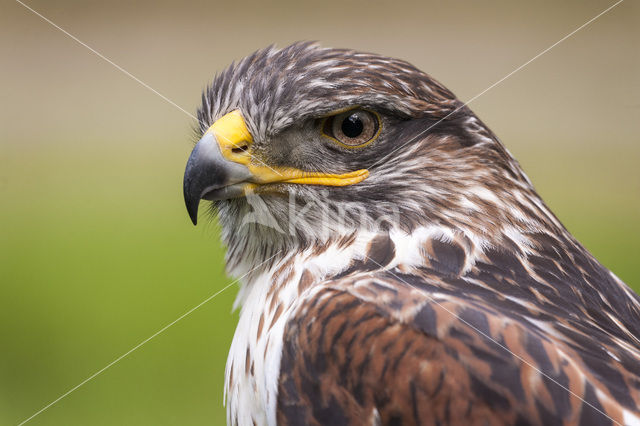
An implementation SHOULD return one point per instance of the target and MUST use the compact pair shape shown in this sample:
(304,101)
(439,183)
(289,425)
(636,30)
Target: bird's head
(300,144)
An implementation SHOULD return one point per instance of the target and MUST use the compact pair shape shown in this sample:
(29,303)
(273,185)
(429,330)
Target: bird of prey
(397,266)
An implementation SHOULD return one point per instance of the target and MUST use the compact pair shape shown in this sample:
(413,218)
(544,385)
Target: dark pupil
(352,126)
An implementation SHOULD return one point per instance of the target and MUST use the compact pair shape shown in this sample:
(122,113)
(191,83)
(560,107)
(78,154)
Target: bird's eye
(354,128)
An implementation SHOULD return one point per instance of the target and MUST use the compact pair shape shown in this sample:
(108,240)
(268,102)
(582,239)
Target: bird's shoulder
(377,347)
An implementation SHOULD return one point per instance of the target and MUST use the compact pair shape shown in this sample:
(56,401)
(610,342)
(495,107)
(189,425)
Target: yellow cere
(231,132)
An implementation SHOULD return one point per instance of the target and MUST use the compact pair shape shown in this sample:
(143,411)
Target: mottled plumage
(438,290)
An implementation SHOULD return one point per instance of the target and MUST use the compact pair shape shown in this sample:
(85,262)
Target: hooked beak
(221,167)
(210,176)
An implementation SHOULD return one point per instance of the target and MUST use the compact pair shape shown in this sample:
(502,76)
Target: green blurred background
(97,252)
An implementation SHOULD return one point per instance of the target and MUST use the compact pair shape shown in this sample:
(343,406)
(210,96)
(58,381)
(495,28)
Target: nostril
(240,149)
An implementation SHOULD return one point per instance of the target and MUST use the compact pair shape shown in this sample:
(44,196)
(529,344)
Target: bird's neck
(269,295)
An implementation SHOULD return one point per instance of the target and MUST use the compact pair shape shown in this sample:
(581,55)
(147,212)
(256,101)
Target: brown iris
(352,129)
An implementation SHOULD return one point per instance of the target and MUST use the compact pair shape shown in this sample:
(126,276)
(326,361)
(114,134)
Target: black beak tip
(192,208)
(193,214)
(192,203)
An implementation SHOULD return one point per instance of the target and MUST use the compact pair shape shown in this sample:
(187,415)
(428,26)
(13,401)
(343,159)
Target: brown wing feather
(378,351)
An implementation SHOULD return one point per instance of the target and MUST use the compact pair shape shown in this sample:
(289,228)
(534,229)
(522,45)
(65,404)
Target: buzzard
(398,266)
